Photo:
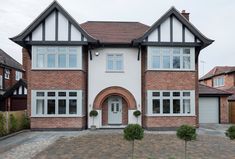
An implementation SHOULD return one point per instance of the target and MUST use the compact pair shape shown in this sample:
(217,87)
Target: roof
(218,70)
(210,91)
(7,60)
(9,91)
(115,31)
(232,90)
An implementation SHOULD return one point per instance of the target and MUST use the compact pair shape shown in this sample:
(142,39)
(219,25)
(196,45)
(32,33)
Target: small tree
(13,122)
(93,114)
(133,132)
(25,122)
(137,113)
(230,132)
(2,125)
(186,133)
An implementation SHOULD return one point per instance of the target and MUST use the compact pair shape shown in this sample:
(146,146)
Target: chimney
(186,15)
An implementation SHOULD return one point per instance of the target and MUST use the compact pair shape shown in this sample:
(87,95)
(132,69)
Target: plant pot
(93,127)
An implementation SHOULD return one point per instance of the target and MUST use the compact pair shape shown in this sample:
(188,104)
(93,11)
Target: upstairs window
(114,62)
(218,81)
(168,58)
(57,57)
(18,75)
(7,74)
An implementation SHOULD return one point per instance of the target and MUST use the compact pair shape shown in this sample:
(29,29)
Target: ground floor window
(171,103)
(57,103)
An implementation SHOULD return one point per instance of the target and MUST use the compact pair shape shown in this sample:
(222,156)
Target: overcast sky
(214,18)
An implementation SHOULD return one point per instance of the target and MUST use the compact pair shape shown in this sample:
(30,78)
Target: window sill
(114,71)
(171,70)
(170,115)
(56,116)
(56,69)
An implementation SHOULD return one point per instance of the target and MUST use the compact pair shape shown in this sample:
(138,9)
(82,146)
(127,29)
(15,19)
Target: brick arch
(115,90)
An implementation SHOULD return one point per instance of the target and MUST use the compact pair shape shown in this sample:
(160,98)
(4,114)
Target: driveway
(213,129)
(110,144)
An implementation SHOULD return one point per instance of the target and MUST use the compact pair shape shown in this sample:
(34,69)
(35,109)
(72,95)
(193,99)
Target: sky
(214,18)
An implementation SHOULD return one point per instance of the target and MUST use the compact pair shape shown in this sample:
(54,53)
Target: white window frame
(1,82)
(46,53)
(161,54)
(7,74)
(218,81)
(150,97)
(79,98)
(18,75)
(114,62)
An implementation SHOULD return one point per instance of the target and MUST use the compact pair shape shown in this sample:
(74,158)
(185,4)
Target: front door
(115,110)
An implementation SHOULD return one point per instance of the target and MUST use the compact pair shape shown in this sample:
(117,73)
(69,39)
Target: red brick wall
(58,122)
(40,79)
(224,110)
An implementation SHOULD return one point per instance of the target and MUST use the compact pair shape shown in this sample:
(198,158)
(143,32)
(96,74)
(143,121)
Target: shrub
(2,125)
(93,113)
(136,113)
(186,133)
(25,122)
(13,123)
(230,132)
(133,132)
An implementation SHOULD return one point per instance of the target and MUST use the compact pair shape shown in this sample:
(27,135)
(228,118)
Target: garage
(213,105)
(208,110)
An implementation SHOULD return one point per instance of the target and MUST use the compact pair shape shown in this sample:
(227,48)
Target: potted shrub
(133,132)
(230,132)
(93,114)
(186,133)
(137,113)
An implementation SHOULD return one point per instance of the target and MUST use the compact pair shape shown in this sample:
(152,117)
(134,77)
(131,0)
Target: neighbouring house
(223,78)
(112,67)
(11,73)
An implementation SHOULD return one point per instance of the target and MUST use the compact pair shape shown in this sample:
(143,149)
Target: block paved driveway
(106,144)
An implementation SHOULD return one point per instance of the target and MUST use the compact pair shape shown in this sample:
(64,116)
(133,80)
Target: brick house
(223,78)
(11,75)
(112,67)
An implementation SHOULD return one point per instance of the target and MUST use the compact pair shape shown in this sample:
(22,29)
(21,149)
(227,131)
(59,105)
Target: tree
(137,113)
(231,132)
(93,114)
(133,132)
(186,133)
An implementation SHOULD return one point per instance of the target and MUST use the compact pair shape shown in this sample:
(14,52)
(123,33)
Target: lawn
(153,146)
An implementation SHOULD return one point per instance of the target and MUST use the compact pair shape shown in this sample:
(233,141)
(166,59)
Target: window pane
(62,60)
(176,94)
(62,106)
(176,61)
(72,60)
(166,61)
(166,106)
(165,51)
(176,106)
(186,62)
(73,106)
(156,94)
(186,51)
(51,106)
(166,94)
(40,106)
(119,62)
(40,60)
(62,94)
(110,62)
(176,51)
(40,94)
(50,94)
(72,94)
(155,61)
(156,106)
(51,60)
(186,94)
(186,106)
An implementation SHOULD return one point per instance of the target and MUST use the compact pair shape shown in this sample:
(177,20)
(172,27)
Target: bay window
(54,103)
(53,57)
(170,58)
(170,103)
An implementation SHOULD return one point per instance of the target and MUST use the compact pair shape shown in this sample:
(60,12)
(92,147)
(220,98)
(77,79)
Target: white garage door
(208,110)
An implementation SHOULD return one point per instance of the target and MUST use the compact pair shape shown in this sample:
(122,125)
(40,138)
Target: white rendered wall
(75,34)
(153,36)
(177,30)
(189,37)
(165,31)
(50,27)
(37,33)
(99,79)
(62,28)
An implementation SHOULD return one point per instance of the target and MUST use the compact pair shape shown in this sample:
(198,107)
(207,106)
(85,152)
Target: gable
(53,25)
(172,28)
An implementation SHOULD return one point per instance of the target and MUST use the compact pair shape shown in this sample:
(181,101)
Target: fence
(20,119)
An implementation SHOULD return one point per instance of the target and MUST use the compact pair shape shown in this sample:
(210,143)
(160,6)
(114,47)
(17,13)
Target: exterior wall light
(97,53)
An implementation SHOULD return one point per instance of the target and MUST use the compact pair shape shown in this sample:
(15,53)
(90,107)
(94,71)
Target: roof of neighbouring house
(7,60)
(232,90)
(210,91)
(10,90)
(115,31)
(218,70)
